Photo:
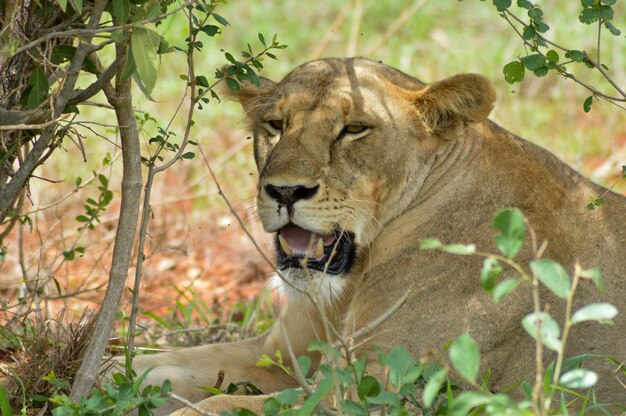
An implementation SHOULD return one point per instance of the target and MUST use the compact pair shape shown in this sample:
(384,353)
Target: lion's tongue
(297,238)
(300,239)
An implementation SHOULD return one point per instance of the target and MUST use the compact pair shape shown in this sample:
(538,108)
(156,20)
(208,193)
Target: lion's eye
(354,131)
(274,126)
(277,124)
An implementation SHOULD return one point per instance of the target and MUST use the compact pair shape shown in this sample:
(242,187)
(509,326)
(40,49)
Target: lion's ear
(448,106)
(251,97)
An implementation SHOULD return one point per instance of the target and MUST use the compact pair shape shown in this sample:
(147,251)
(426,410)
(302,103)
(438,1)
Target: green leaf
(121,11)
(144,45)
(553,275)
(552,56)
(220,19)
(466,401)
(78,5)
(587,103)
(253,77)
(510,223)
(289,396)
(233,84)
(63,5)
(462,249)
(368,386)
(605,12)
(304,362)
(352,408)
(39,88)
(5,407)
(550,330)
(311,403)
(504,288)
(600,312)
(574,55)
(513,72)
(502,5)
(271,407)
(386,398)
(465,357)
(614,31)
(579,378)
(188,155)
(429,244)
(402,369)
(202,81)
(62,53)
(213,390)
(265,361)
(541,28)
(534,61)
(211,30)
(433,386)
(153,10)
(589,16)
(541,72)
(489,273)
(529,33)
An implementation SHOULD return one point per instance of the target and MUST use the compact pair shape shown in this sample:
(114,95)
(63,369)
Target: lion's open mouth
(333,254)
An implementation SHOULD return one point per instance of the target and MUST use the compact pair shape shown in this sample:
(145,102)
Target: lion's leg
(191,368)
(218,404)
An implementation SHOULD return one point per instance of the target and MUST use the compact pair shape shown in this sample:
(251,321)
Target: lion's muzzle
(300,248)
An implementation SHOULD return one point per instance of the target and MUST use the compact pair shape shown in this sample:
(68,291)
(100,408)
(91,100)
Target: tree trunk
(121,100)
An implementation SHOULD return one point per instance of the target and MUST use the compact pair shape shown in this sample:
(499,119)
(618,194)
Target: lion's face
(342,147)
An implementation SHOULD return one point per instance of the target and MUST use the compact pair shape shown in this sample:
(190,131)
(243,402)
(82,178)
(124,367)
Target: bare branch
(189,404)
(31,126)
(121,99)
(81,95)
(364,331)
(22,117)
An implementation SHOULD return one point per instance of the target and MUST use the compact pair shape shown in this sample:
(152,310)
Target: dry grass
(46,355)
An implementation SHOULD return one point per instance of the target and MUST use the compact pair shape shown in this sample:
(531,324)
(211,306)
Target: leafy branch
(543,53)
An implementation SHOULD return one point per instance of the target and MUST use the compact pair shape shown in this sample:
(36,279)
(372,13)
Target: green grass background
(441,38)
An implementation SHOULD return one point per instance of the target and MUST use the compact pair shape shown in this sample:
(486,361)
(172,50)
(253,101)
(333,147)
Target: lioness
(357,163)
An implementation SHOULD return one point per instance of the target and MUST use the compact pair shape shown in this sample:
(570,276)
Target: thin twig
(334,26)
(32,126)
(598,44)
(89,32)
(301,378)
(189,404)
(396,25)
(365,330)
(357,17)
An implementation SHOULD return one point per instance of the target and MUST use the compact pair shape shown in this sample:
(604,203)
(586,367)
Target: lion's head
(342,147)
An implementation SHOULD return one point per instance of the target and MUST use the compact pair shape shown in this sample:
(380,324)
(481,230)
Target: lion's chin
(297,248)
(304,286)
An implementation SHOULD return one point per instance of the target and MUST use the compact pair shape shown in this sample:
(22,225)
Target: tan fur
(431,165)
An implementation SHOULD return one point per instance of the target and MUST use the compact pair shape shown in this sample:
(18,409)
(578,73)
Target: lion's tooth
(285,246)
(319,249)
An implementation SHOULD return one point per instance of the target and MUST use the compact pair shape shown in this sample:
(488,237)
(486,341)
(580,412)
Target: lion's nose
(289,195)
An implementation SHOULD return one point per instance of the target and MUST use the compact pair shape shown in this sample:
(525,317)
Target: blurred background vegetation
(199,261)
